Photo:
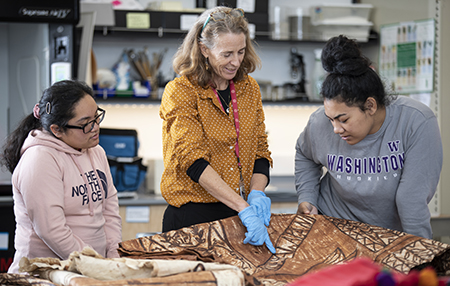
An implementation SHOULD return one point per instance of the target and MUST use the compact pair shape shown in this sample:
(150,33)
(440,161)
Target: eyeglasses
(91,124)
(220,16)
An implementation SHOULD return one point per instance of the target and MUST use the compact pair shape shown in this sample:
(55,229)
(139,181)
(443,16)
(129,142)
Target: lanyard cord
(236,118)
(237,127)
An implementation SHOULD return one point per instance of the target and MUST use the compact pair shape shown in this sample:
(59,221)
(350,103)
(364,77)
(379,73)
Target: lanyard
(236,116)
(236,126)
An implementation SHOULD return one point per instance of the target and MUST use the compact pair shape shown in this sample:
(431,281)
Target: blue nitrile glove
(262,204)
(256,231)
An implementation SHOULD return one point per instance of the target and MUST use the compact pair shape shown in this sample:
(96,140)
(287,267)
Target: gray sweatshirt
(387,179)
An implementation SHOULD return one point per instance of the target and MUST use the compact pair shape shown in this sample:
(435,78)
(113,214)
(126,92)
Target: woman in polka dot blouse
(216,156)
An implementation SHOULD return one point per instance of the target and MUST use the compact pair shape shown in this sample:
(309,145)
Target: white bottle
(318,77)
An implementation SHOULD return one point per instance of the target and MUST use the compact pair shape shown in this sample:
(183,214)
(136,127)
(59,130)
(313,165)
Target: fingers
(270,245)
(254,238)
(260,240)
(247,238)
(264,213)
(314,210)
(306,208)
(262,203)
(267,218)
(256,231)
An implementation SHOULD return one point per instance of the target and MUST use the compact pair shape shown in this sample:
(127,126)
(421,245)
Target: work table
(143,212)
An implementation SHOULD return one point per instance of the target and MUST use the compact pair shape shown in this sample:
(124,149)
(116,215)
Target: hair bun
(343,56)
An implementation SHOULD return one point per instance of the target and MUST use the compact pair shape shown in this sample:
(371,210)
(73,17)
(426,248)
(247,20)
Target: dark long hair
(351,78)
(56,106)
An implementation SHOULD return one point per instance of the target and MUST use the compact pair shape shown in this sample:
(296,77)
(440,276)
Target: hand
(262,205)
(256,231)
(307,208)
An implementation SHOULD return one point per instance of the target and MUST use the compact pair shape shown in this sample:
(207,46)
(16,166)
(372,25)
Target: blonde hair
(190,62)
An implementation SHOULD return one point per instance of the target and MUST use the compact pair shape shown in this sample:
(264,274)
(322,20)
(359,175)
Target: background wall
(442,12)
(4,102)
(283,122)
(275,56)
(388,11)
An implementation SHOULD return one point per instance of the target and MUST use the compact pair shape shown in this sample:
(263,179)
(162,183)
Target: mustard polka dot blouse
(195,126)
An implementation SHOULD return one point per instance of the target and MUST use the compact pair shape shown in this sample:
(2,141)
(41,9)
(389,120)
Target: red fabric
(364,272)
(358,272)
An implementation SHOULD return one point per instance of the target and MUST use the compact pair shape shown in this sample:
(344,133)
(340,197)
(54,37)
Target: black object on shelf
(50,11)
(201,3)
(5,189)
(164,22)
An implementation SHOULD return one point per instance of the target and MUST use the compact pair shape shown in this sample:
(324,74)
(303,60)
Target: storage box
(119,142)
(155,169)
(359,32)
(121,147)
(299,27)
(128,173)
(326,14)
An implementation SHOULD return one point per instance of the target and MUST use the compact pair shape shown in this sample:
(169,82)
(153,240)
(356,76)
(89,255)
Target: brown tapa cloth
(303,243)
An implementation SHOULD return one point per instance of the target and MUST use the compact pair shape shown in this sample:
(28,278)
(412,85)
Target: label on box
(4,240)
(247,5)
(138,20)
(187,21)
(252,30)
(137,214)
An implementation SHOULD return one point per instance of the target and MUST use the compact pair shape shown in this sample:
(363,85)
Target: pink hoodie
(64,200)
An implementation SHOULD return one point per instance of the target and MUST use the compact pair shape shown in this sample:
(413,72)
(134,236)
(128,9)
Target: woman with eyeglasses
(216,156)
(64,197)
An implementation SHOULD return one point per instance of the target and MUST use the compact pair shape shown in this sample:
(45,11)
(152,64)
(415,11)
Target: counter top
(151,199)
(280,189)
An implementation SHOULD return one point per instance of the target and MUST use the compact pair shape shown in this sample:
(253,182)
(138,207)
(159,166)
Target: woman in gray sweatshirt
(366,155)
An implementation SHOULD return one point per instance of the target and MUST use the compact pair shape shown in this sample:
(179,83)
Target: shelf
(165,22)
(168,24)
(130,99)
(160,32)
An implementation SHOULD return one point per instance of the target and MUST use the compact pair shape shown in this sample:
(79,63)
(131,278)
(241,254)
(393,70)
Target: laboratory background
(124,50)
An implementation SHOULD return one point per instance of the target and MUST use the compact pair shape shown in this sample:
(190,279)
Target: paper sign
(407,56)
(211,4)
(138,20)
(251,30)
(425,98)
(187,21)
(137,214)
(4,239)
(247,5)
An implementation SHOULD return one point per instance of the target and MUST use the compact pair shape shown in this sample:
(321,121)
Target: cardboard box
(359,32)
(326,14)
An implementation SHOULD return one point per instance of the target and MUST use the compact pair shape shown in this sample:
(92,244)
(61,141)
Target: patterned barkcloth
(304,244)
